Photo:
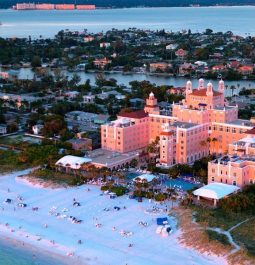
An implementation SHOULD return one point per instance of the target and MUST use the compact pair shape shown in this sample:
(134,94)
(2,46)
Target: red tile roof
(252,131)
(139,114)
(202,93)
(166,133)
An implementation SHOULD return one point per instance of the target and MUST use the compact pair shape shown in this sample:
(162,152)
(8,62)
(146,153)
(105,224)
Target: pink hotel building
(201,124)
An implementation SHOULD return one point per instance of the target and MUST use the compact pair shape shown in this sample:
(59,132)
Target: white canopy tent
(73,162)
(215,191)
(147,177)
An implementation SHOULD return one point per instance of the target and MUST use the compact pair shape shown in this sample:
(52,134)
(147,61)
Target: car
(22,205)
(8,200)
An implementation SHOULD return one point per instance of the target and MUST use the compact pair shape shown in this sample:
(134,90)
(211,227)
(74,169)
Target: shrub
(105,187)
(160,197)
(213,235)
(118,190)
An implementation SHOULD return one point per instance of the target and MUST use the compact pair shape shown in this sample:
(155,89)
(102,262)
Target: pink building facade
(201,124)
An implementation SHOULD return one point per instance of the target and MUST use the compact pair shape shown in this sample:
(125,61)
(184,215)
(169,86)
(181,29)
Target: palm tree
(233,88)
(238,86)
(214,140)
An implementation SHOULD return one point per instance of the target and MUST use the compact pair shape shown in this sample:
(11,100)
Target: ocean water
(240,20)
(14,255)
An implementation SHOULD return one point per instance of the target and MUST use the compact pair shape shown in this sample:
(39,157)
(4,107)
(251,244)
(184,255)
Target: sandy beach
(105,236)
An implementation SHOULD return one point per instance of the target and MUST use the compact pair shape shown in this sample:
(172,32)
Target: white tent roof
(74,162)
(215,190)
(148,177)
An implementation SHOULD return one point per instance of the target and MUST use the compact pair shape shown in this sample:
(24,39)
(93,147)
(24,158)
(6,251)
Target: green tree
(36,61)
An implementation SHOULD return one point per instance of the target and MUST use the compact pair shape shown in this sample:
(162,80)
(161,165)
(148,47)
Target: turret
(188,87)
(209,90)
(151,96)
(151,104)
(221,87)
(201,83)
(166,145)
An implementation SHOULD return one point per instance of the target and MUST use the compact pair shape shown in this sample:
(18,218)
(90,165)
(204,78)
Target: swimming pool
(180,183)
(132,175)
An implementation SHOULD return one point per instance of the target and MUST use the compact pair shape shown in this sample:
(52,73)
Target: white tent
(215,191)
(73,162)
(147,177)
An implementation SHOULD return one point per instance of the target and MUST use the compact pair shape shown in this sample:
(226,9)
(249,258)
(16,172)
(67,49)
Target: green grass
(56,177)
(9,161)
(118,190)
(218,218)
(245,235)
(213,235)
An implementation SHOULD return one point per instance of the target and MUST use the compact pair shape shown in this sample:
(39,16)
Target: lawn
(49,175)
(245,235)
(9,162)
(218,218)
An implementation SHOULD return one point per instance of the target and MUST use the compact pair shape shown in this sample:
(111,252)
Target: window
(212,179)
(234,183)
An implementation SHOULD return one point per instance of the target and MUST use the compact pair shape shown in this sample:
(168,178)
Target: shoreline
(137,7)
(25,242)
(100,244)
(31,251)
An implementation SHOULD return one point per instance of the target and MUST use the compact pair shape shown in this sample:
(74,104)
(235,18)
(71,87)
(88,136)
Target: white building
(3,129)
(37,129)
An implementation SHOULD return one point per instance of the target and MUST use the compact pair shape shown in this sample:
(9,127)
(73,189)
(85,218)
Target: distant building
(87,99)
(4,75)
(81,144)
(45,6)
(72,94)
(65,7)
(101,63)
(181,54)
(85,7)
(88,38)
(3,129)
(245,70)
(159,66)
(219,68)
(37,129)
(171,46)
(105,45)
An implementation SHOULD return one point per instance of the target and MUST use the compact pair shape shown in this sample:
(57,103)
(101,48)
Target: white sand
(101,246)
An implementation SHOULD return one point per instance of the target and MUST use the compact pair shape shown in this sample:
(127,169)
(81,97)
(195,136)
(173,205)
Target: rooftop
(139,114)
(252,131)
(185,125)
(74,162)
(216,191)
(242,123)
(108,158)
(202,92)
